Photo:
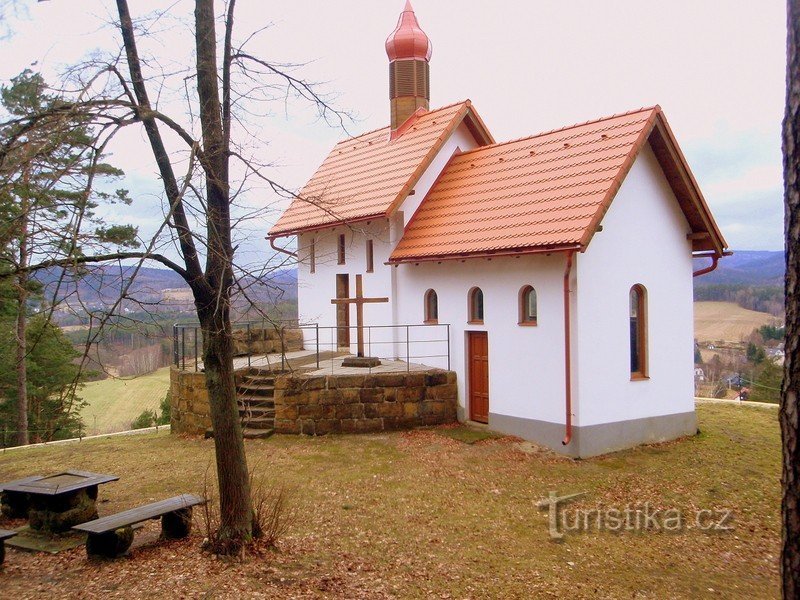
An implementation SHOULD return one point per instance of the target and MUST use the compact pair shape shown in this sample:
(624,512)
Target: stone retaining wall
(361,403)
(331,403)
(190,411)
(265,340)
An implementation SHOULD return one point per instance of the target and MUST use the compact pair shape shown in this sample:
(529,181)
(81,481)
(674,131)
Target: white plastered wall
(643,241)
(315,290)
(526,364)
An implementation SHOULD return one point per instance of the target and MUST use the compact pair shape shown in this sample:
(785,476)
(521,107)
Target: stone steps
(256,434)
(247,433)
(256,401)
(256,389)
(252,415)
(255,394)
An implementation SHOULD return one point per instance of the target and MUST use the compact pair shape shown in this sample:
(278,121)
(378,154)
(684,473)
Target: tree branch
(82,260)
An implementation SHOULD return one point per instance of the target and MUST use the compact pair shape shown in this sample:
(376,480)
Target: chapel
(553,273)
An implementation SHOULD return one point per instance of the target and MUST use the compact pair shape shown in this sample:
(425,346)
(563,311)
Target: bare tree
(790,399)
(198,224)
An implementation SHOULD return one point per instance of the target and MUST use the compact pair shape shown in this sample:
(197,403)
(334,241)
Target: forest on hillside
(751,279)
(768,299)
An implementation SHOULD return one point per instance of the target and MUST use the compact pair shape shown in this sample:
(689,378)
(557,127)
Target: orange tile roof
(548,191)
(369,175)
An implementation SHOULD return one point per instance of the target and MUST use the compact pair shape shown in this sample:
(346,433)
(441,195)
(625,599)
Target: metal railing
(412,344)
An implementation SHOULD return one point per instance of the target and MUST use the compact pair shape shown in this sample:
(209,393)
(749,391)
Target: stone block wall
(190,410)
(265,340)
(323,404)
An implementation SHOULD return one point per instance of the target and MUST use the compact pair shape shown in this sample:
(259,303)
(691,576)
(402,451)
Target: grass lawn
(114,403)
(424,515)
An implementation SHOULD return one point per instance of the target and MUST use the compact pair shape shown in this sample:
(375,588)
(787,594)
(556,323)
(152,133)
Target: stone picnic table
(54,503)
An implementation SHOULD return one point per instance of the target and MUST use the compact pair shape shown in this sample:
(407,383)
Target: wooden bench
(111,536)
(4,535)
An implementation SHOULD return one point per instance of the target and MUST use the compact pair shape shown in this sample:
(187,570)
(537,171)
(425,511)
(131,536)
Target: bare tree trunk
(236,509)
(790,400)
(21,335)
(211,288)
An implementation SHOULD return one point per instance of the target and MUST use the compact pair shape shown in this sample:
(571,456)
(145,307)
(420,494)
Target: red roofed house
(562,262)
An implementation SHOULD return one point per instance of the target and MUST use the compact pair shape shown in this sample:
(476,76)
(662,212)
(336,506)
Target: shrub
(274,515)
(720,390)
(166,410)
(146,419)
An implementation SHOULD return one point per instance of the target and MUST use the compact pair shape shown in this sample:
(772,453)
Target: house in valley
(561,262)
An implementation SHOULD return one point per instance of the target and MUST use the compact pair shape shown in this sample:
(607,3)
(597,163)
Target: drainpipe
(714,261)
(567,360)
(281,250)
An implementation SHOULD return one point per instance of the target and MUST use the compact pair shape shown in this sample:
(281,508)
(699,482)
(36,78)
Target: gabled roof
(368,176)
(547,192)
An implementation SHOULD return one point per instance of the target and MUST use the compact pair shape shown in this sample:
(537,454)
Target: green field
(114,403)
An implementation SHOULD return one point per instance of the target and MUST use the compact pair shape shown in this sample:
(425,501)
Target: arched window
(638,325)
(340,247)
(431,307)
(476,305)
(527,306)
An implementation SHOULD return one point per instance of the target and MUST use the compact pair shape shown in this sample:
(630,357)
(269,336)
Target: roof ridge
(468,102)
(560,129)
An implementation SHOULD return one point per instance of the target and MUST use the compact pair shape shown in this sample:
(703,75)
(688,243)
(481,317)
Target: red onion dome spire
(408,41)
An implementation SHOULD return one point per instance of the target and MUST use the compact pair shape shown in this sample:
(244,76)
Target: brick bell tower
(409,51)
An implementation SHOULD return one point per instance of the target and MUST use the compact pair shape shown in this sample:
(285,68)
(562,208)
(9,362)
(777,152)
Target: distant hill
(101,286)
(745,267)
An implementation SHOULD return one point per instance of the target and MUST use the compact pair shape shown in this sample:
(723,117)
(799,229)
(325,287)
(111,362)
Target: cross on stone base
(360,301)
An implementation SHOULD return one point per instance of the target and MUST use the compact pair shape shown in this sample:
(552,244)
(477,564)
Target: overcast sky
(716,67)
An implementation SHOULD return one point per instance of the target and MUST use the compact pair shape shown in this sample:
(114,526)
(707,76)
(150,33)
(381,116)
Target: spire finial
(408,41)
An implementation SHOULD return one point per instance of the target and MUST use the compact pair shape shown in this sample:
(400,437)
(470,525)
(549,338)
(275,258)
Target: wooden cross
(359,301)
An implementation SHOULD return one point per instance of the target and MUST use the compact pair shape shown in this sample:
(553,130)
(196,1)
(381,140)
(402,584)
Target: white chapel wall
(526,364)
(643,241)
(315,290)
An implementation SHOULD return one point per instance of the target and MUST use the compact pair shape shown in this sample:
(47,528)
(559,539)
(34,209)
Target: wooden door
(343,311)
(478,353)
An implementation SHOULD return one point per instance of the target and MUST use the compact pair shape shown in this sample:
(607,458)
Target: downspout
(281,250)
(714,261)
(567,360)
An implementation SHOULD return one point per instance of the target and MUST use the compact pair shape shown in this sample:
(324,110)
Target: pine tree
(48,197)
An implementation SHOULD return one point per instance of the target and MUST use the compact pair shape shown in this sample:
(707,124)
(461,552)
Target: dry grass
(420,515)
(717,321)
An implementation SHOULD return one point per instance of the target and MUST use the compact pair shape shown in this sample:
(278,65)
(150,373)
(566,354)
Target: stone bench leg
(176,525)
(110,544)
(14,505)
(2,551)
(59,513)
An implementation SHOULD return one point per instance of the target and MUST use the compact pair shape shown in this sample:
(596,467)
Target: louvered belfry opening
(409,88)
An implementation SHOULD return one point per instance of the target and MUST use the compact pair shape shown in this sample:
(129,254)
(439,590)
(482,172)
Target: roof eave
(620,177)
(686,189)
(673,163)
(273,235)
(486,254)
